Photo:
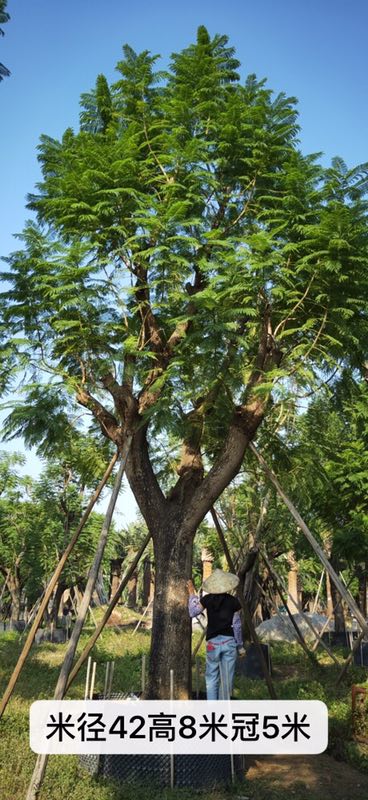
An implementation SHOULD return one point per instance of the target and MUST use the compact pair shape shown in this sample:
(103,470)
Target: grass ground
(274,778)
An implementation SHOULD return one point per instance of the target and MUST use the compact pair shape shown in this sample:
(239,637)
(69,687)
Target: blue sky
(313,49)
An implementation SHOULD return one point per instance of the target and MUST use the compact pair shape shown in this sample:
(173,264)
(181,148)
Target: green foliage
(38,518)
(180,233)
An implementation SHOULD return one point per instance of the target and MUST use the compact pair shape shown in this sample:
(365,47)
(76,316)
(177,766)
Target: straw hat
(219,582)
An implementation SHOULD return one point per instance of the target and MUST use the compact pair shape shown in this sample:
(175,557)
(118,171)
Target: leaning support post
(345,594)
(245,608)
(197,647)
(41,763)
(50,588)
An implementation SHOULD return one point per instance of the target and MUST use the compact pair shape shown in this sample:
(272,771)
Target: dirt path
(322,775)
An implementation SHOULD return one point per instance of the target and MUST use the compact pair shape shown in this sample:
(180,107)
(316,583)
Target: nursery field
(338,774)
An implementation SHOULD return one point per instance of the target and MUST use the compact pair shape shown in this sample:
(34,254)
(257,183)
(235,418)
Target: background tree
(330,446)
(188,261)
(37,518)
(17,518)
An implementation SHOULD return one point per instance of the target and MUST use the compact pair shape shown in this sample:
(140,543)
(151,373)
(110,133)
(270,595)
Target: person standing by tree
(224,633)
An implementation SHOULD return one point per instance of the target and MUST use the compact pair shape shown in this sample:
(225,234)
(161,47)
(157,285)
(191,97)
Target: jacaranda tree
(189,268)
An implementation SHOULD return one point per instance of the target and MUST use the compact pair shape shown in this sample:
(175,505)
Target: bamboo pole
(107,676)
(196,649)
(86,690)
(93,679)
(197,663)
(50,588)
(41,762)
(316,547)
(139,623)
(245,608)
(318,591)
(111,677)
(84,655)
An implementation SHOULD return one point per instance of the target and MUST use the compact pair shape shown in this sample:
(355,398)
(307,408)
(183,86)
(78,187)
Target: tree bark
(293,588)
(148,582)
(132,591)
(59,591)
(338,607)
(329,603)
(15,589)
(361,573)
(171,625)
(115,575)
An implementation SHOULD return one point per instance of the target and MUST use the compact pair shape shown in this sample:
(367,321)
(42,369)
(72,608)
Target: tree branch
(144,483)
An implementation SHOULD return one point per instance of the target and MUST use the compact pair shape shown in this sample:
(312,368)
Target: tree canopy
(189,270)
(186,253)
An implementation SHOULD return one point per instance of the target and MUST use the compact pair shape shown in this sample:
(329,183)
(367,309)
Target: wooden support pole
(245,608)
(196,649)
(107,676)
(318,591)
(50,588)
(93,679)
(345,594)
(139,623)
(41,763)
(86,690)
(111,677)
(143,675)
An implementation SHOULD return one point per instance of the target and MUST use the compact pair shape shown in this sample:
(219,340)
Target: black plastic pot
(361,655)
(250,666)
(194,771)
(340,638)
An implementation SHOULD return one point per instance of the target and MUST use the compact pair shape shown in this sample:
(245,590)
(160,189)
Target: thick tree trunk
(361,573)
(132,591)
(329,603)
(293,593)
(171,625)
(15,590)
(115,574)
(148,582)
(338,607)
(59,591)
(172,521)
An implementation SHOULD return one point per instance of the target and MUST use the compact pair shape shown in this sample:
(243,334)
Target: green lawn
(294,679)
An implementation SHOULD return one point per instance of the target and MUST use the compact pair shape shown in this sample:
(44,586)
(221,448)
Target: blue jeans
(220,667)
